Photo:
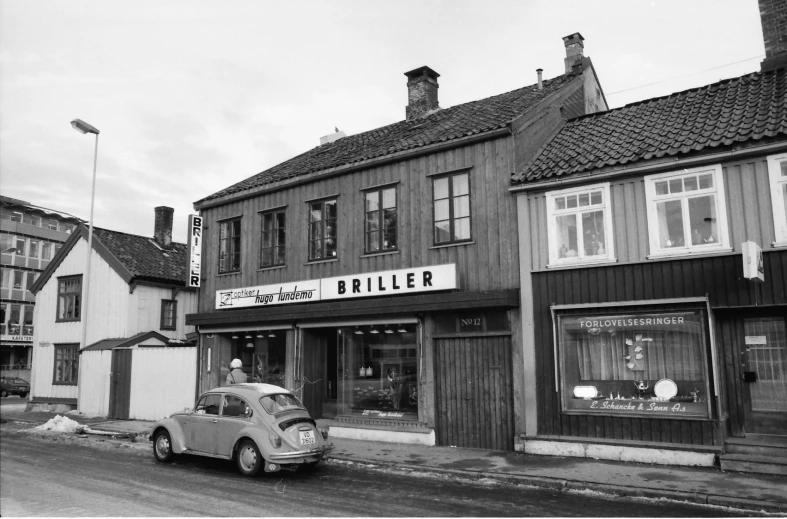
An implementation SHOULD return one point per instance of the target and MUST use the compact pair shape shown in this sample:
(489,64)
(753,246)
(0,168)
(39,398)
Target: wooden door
(120,384)
(765,375)
(313,371)
(474,392)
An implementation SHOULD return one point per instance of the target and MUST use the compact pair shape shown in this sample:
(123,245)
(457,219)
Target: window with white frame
(580,225)
(687,212)
(777,172)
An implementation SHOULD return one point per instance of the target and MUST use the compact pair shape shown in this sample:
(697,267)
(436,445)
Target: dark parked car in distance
(14,386)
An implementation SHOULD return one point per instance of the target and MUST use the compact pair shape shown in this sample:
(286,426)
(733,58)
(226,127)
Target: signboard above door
(370,284)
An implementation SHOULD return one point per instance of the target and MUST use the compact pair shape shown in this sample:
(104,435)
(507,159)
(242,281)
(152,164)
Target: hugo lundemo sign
(372,284)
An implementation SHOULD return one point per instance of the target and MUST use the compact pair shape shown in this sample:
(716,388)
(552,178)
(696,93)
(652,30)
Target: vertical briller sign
(195,250)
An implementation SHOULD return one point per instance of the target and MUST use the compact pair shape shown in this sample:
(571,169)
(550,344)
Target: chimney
(574,55)
(162,232)
(773,17)
(421,92)
(540,83)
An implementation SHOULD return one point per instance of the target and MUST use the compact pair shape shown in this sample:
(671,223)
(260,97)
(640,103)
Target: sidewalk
(699,485)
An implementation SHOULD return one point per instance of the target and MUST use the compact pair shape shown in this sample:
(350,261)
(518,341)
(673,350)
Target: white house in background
(138,360)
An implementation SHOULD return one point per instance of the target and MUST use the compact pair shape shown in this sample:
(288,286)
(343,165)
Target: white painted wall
(94,387)
(163,381)
(146,310)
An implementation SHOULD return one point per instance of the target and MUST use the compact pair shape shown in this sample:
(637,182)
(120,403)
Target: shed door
(765,360)
(474,392)
(120,384)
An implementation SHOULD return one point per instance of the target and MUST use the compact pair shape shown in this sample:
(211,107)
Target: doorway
(765,375)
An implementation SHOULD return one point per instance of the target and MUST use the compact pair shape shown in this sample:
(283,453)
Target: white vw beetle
(257,425)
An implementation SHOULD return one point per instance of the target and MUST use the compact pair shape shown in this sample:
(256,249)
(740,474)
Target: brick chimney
(162,232)
(773,17)
(421,92)
(574,52)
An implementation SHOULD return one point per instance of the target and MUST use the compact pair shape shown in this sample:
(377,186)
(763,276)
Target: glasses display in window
(650,364)
(378,372)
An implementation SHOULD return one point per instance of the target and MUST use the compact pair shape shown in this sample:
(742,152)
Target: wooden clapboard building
(377,274)
(650,333)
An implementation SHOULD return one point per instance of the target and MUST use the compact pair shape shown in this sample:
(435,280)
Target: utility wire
(685,75)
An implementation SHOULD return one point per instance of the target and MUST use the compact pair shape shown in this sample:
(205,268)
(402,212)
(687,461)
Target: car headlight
(275,440)
(324,433)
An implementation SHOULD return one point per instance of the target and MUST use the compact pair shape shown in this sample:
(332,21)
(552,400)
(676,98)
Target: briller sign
(372,284)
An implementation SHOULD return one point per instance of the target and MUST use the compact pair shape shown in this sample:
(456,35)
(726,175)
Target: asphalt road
(57,474)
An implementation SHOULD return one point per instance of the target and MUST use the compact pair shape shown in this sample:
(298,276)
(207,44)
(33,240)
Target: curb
(564,484)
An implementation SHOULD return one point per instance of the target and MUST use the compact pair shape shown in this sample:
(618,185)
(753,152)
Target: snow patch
(62,424)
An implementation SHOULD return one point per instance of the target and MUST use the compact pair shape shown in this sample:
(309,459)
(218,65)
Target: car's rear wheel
(162,446)
(248,458)
(22,394)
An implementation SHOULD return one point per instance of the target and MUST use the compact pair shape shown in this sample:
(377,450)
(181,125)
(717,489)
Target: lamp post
(83,127)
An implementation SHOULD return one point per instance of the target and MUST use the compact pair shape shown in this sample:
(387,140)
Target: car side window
(208,404)
(235,407)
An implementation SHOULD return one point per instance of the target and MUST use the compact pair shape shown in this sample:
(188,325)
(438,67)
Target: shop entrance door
(474,392)
(765,375)
(314,368)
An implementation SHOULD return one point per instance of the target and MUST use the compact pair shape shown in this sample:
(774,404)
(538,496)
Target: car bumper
(318,452)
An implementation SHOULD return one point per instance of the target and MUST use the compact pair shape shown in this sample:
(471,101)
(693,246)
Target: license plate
(307,437)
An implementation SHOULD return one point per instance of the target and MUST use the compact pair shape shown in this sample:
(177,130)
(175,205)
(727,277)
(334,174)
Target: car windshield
(281,402)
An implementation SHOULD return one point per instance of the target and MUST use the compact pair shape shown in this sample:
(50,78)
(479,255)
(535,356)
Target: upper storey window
(380,220)
(229,246)
(580,225)
(777,172)
(69,298)
(452,208)
(687,212)
(322,230)
(273,238)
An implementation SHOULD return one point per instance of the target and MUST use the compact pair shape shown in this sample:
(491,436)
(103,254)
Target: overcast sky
(192,96)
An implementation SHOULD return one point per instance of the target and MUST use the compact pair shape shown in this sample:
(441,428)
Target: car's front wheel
(22,394)
(249,459)
(162,446)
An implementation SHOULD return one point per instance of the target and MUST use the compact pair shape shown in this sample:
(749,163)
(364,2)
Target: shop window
(380,220)
(69,298)
(579,225)
(169,312)
(263,354)
(687,212)
(66,370)
(650,364)
(229,246)
(777,173)
(322,230)
(274,238)
(451,208)
(476,321)
(377,374)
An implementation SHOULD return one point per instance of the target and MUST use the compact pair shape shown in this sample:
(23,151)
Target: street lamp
(83,127)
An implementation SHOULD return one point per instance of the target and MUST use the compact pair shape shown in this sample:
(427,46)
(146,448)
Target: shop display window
(652,364)
(264,355)
(378,372)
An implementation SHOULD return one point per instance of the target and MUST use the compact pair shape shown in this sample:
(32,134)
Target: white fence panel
(94,382)
(163,380)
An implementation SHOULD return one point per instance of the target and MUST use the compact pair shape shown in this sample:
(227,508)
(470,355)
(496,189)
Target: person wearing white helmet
(236,375)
